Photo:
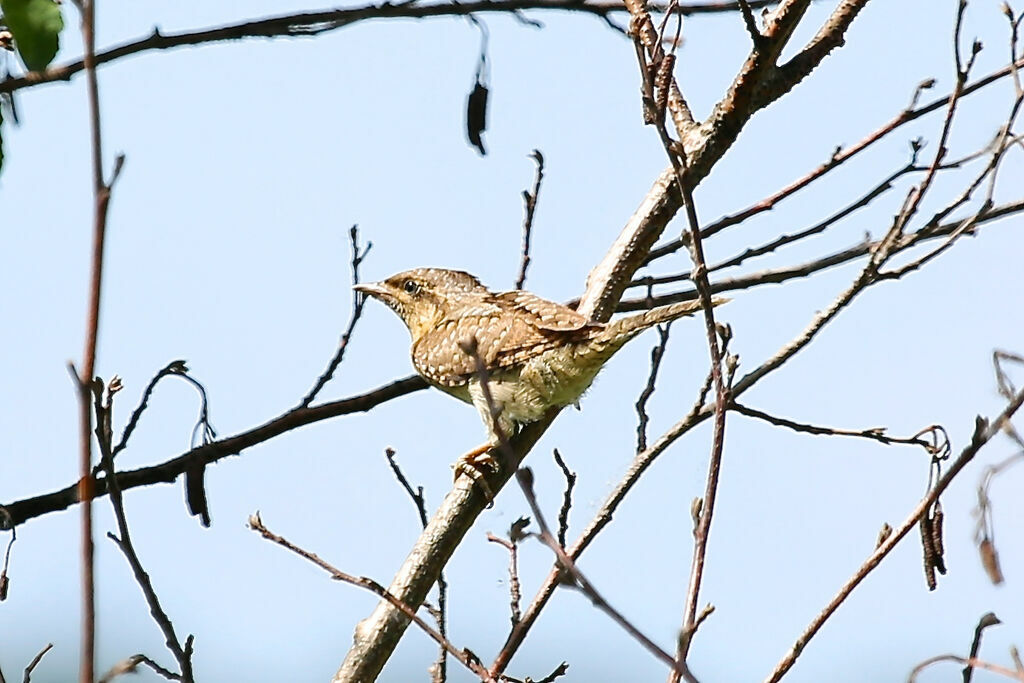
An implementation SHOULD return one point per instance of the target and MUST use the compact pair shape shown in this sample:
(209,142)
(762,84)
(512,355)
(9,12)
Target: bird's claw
(477,465)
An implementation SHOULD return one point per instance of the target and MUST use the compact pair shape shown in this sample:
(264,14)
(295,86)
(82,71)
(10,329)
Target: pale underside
(523,393)
(535,359)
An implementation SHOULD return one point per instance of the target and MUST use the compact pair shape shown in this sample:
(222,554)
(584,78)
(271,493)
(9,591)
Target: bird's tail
(622,330)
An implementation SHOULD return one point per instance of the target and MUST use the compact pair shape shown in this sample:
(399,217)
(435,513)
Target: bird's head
(422,297)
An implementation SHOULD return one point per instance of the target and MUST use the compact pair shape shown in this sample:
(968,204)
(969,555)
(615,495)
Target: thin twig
(525,478)
(515,534)
(559,671)
(938,444)
(655,204)
(839,156)
(175,367)
(35,662)
(680,166)
(441,614)
(417,495)
(166,673)
(641,404)
(529,206)
(814,266)
(770,247)
(464,656)
(357,310)
(987,619)
(5,581)
(984,431)
(313,23)
(101,199)
(103,405)
(750,23)
(640,464)
(973,663)
(168,471)
(563,512)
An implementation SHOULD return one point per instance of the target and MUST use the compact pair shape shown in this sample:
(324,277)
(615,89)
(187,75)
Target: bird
(535,354)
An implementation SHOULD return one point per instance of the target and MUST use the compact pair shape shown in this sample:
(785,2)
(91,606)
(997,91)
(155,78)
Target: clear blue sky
(246,164)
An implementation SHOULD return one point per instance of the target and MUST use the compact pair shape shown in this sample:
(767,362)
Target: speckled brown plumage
(537,353)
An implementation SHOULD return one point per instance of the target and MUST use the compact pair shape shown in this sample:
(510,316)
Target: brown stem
(101,197)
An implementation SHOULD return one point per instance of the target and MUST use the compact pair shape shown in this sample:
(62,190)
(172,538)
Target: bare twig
(515,534)
(750,23)
(464,656)
(839,156)
(101,200)
(525,478)
(175,367)
(641,404)
(5,581)
(417,495)
(103,405)
(35,662)
(973,663)
(640,464)
(529,206)
(317,22)
(770,247)
(604,288)
(987,619)
(169,470)
(879,252)
(357,310)
(680,167)
(559,671)
(984,431)
(784,274)
(563,512)
(440,671)
(937,446)
(169,675)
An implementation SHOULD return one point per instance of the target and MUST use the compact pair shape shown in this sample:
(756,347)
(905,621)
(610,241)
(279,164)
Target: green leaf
(36,26)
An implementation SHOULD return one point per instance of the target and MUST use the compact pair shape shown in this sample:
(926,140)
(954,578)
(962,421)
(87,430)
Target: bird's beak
(374,289)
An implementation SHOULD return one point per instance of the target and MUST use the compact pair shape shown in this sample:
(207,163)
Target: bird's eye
(410,286)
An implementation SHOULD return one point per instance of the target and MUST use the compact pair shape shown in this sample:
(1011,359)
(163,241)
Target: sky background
(228,246)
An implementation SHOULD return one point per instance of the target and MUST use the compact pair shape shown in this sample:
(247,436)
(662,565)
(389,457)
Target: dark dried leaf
(476,116)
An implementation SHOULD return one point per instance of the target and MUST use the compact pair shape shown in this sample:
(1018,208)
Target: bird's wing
(438,355)
(544,314)
(510,329)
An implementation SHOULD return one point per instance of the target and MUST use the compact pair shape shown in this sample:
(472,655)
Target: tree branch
(323,21)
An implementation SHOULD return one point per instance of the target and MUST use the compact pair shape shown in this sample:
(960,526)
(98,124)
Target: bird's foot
(477,465)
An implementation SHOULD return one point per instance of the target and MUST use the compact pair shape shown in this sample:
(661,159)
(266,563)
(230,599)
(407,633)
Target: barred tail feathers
(625,329)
